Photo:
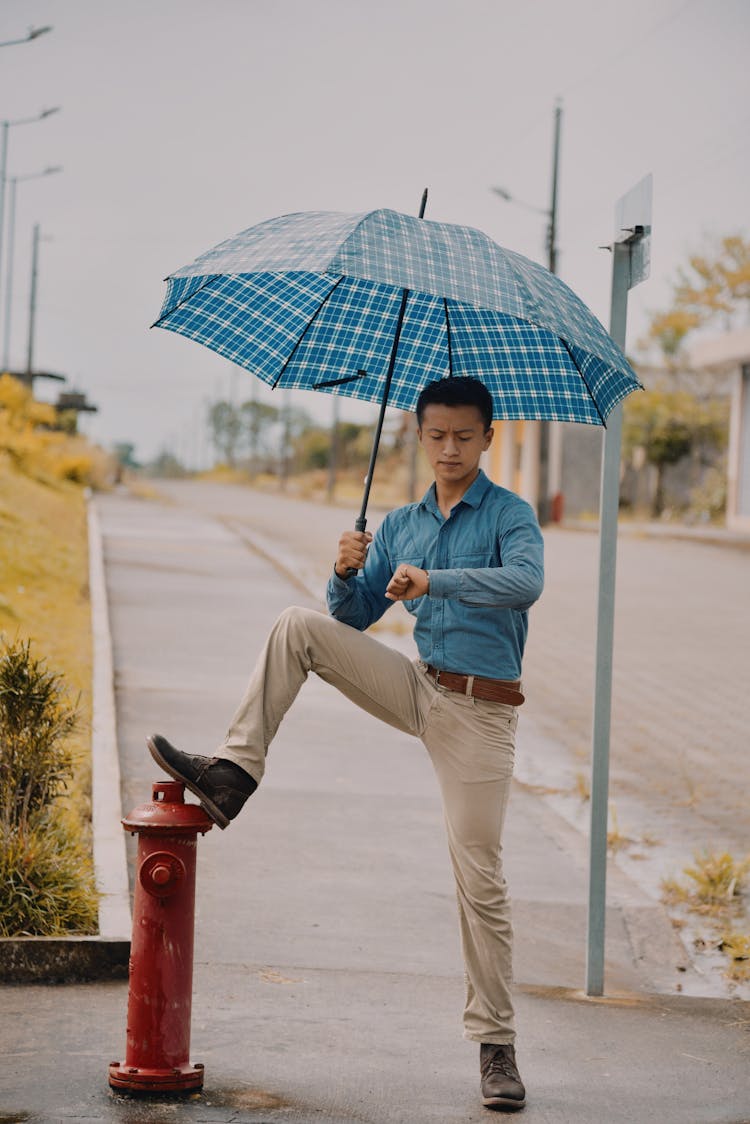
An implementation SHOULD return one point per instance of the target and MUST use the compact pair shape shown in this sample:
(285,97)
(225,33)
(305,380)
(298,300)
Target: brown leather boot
(221,786)
(502,1087)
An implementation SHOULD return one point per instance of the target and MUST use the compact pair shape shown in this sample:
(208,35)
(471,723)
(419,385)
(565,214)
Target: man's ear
(488,435)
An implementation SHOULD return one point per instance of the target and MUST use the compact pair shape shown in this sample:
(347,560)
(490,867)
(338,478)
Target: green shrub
(35,721)
(46,882)
(46,878)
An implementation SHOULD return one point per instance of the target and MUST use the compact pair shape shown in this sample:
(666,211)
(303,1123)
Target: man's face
(454,438)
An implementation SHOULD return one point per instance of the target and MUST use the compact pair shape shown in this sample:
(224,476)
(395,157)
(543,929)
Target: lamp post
(14,180)
(32,33)
(6,125)
(32,305)
(545,476)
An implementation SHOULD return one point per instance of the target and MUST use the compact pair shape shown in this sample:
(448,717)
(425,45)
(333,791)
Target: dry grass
(44,561)
(582,786)
(45,596)
(736,946)
(715,884)
(714,891)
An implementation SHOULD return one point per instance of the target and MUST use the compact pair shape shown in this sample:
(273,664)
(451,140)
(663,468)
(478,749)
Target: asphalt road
(680,767)
(328,981)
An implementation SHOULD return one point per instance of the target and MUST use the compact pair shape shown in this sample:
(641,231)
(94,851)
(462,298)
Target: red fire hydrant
(161,953)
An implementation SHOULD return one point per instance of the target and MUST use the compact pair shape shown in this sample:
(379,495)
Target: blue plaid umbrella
(376,305)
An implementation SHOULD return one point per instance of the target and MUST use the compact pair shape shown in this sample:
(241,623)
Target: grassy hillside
(44,599)
(44,589)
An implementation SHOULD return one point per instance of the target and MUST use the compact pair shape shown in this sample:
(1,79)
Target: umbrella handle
(359,525)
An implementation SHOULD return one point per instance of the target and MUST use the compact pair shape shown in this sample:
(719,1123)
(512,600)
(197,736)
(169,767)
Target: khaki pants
(471,743)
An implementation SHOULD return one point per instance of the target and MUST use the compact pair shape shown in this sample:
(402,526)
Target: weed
(714,890)
(616,841)
(582,786)
(717,878)
(716,882)
(737,948)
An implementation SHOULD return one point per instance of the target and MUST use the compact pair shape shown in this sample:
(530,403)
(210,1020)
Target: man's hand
(352,551)
(407,583)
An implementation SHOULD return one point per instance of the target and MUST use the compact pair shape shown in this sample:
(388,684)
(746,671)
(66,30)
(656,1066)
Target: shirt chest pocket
(475,560)
(409,560)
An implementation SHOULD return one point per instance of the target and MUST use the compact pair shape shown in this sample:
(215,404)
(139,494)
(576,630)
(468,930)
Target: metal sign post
(630,265)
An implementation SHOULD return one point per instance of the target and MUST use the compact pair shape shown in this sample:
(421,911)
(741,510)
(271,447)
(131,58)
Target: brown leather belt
(493,690)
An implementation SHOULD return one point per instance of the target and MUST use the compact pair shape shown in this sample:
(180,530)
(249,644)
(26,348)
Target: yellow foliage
(74,466)
(31,437)
(14,397)
(715,283)
(41,414)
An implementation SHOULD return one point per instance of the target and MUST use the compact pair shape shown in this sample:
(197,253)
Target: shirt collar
(473,496)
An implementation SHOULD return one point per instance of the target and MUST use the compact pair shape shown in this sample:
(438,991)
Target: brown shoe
(221,786)
(502,1087)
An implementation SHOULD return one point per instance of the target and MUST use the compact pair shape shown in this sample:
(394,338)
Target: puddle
(248,1097)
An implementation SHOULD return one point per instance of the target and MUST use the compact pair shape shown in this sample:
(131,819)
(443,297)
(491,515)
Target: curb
(105,956)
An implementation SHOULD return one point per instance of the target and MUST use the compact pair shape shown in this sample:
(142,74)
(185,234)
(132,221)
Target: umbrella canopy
(383,302)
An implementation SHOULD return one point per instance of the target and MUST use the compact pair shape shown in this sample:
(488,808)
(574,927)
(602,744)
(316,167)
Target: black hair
(459,391)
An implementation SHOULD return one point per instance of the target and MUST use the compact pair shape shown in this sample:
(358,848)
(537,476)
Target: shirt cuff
(444,584)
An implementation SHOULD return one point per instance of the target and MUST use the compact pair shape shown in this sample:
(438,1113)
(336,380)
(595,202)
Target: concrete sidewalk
(328,977)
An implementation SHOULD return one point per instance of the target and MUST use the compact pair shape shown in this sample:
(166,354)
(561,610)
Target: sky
(183,122)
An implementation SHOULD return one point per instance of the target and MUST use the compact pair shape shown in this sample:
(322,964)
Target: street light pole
(14,180)
(544,505)
(32,304)
(4,163)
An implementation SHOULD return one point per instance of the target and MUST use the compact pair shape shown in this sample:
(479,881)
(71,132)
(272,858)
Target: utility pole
(548,454)
(412,437)
(548,470)
(552,234)
(334,454)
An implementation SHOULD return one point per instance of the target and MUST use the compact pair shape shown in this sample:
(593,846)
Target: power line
(611,59)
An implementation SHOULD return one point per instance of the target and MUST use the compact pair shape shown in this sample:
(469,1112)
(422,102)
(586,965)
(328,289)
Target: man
(467,561)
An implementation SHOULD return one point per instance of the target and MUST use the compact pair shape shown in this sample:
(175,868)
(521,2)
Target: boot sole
(503,1103)
(206,803)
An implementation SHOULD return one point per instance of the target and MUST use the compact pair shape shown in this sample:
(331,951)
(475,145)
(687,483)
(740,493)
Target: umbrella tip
(423,204)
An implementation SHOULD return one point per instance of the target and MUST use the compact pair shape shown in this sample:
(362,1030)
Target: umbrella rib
(190,295)
(308,325)
(448,331)
(340,382)
(583,380)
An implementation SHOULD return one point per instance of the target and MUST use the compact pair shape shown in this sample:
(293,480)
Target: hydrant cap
(168,813)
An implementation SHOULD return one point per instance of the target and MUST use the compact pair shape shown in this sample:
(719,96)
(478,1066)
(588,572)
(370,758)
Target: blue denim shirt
(486,564)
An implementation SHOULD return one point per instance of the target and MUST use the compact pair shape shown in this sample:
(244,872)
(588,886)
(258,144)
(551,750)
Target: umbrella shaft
(361,522)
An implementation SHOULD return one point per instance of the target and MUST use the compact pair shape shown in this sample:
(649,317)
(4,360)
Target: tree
(668,426)
(258,422)
(714,285)
(225,425)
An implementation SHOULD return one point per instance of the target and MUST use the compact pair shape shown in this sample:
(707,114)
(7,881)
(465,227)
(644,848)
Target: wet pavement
(328,978)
